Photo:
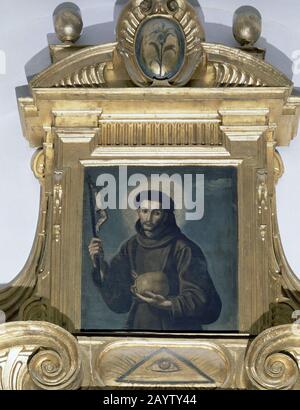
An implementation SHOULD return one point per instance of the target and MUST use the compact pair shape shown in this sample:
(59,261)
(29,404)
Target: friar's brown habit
(195,300)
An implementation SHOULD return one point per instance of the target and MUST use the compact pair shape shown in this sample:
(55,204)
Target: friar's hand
(96,250)
(155,300)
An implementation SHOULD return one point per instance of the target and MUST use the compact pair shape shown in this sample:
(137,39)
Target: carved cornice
(51,107)
(159,133)
(38,355)
(273,359)
(77,68)
(98,66)
(161,43)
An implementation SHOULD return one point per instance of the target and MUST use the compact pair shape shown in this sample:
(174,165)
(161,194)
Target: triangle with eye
(164,366)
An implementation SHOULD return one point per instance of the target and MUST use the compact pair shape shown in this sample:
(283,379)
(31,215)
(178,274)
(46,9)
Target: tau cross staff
(98,214)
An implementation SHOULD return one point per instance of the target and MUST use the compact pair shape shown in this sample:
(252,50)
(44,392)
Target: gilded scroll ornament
(38,355)
(278,166)
(273,359)
(38,164)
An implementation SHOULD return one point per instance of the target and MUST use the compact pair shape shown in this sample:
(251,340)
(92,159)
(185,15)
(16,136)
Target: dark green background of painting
(216,234)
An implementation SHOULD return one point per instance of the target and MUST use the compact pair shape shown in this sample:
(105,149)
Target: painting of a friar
(159,276)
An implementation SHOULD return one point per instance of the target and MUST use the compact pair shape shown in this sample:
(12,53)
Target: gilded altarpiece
(160,98)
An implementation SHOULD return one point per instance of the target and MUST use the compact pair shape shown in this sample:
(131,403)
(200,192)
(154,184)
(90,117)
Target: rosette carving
(38,355)
(272,361)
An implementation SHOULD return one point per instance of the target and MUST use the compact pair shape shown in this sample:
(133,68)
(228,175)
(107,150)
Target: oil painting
(160,249)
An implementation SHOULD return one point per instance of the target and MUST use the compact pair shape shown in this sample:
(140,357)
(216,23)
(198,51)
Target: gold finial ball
(67,22)
(247,25)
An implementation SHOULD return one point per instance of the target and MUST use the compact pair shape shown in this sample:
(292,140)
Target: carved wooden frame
(85,111)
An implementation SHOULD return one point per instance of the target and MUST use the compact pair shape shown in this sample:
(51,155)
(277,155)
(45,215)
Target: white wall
(24,26)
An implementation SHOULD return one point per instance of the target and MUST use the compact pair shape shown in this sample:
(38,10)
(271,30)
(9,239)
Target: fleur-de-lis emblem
(159,41)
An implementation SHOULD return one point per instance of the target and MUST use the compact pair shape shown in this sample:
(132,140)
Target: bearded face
(151,215)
